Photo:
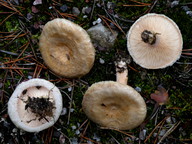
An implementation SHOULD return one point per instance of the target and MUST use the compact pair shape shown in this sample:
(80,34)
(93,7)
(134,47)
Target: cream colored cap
(114,105)
(66,48)
(22,116)
(167,47)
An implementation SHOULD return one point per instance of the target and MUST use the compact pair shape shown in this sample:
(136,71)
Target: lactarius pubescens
(35,105)
(115,104)
(154,41)
(66,48)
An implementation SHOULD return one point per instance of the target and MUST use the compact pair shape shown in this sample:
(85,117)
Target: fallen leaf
(160,96)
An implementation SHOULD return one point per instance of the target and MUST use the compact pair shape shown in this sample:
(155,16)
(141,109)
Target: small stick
(71,102)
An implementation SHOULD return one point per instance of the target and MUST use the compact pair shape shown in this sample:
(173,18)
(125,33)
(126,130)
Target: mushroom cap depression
(162,52)
(66,48)
(114,105)
(20,111)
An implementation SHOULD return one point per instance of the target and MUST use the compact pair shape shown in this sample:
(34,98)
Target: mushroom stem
(149,37)
(121,72)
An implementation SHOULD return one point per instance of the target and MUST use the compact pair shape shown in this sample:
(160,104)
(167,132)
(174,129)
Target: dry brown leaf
(160,96)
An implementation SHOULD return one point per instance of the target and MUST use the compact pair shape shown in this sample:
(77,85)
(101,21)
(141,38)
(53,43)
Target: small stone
(37,2)
(185,8)
(70,89)
(73,127)
(88,10)
(75,11)
(174,3)
(189,13)
(29,77)
(77,132)
(85,16)
(83,9)
(72,110)
(101,61)
(63,8)
(142,134)
(15,2)
(102,36)
(64,111)
(29,16)
(22,132)
(162,132)
(74,141)
(14,130)
(97,21)
(97,138)
(138,89)
(98,5)
(62,139)
(110,5)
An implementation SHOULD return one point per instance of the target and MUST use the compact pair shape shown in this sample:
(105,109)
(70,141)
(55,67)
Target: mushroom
(66,48)
(35,105)
(154,41)
(115,104)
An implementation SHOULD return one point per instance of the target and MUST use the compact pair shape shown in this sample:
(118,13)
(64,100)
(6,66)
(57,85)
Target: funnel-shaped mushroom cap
(114,105)
(66,48)
(35,105)
(154,41)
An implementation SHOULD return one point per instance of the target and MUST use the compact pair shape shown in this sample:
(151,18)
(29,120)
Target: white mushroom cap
(114,105)
(66,48)
(24,118)
(167,47)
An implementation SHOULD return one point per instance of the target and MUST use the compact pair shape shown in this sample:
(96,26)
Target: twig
(187,54)
(66,94)
(10,53)
(115,23)
(187,50)
(12,39)
(63,135)
(155,129)
(25,47)
(17,60)
(115,139)
(119,131)
(88,139)
(28,36)
(93,8)
(83,124)
(139,2)
(107,24)
(7,18)
(135,5)
(14,68)
(169,131)
(71,102)
(152,6)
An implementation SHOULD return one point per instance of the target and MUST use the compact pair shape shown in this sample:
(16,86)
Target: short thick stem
(121,72)
(149,37)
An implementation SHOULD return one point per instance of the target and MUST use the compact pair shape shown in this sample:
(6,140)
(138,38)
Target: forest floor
(21,23)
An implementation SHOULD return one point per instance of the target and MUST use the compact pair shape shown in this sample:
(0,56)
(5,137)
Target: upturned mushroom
(35,105)
(154,41)
(66,48)
(115,104)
